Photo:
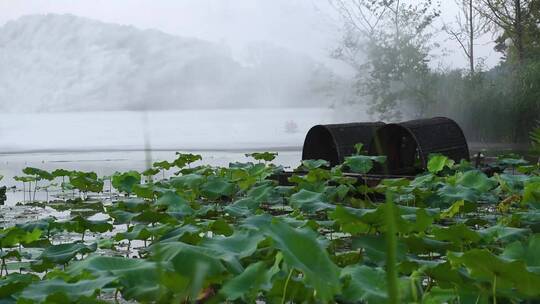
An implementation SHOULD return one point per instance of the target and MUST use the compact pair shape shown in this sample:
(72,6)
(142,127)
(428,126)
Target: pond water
(106,142)
(237,130)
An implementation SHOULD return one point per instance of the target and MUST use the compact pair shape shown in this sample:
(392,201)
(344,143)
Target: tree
(517,20)
(387,42)
(468,26)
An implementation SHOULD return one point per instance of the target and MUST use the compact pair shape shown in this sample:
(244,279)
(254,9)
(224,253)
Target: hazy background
(156,55)
(92,84)
(311,27)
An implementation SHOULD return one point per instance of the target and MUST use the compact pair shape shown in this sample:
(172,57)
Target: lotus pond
(181,231)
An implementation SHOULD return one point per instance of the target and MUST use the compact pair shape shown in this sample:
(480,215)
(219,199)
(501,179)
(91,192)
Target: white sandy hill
(69,63)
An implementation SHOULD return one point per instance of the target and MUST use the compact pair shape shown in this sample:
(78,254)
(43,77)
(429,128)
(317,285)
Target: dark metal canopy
(336,141)
(407,145)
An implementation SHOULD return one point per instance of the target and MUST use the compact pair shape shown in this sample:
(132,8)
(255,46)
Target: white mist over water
(105,142)
(234,130)
(68,63)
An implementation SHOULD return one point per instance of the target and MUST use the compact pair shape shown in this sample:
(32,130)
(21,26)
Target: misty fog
(165,54)
(294,63)
(68,63)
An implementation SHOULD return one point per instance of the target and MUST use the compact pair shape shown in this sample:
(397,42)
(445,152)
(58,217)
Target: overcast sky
(306,26)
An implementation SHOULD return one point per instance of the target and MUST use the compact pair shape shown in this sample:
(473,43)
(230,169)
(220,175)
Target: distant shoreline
(168,149)
(473,147)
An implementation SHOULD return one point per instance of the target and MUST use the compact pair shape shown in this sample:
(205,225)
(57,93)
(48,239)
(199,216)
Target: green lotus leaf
(512,161)
(59,291)
(80,224)
(261,193)
(144,191)
(265,156)
(175,203)
(440,295)
(367,284)
(191,261)
(188,181)
(375,248)
(221,227)
(63,253)
(311,164)
(178,233)
(150,172)
(138,279)
(531,194)
(25,179)
(459,207)
(241,244)
(124,182)
(310,202)
(458,235)
(350,219)
(42,174)
(137,232)
(503,234)
(163,165)
(438,162)
(476,179)
(61,172)
(122,217)
(150,216)
(133,204)
(362,163)
(302,250)
(377,218)
(449,194)
(525,251)
(216,187)
(243,207)
(424,245)
(86,181)
(14,283)
(12,236)
(10,254)
(249,283)
(183,159)
(512,183)
(507,275)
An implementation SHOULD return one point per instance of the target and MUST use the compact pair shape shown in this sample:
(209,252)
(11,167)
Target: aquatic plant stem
(285,287)
(391,270)
(494,291)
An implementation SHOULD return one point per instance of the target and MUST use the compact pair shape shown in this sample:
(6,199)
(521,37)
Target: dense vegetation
(389,43)
(232,234)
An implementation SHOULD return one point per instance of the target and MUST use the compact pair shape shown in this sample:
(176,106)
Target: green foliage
(438,162)
(59,291)
(183,159)
(362,163)
(535,141)
(302,251)
(265,156)
(366,284)
(231,234)
(164,165)
(42,174)
(309,201)
(124,182)
(86,181)
(393,38)
(388,44)
(10,237)
(311,164)
(63,253)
